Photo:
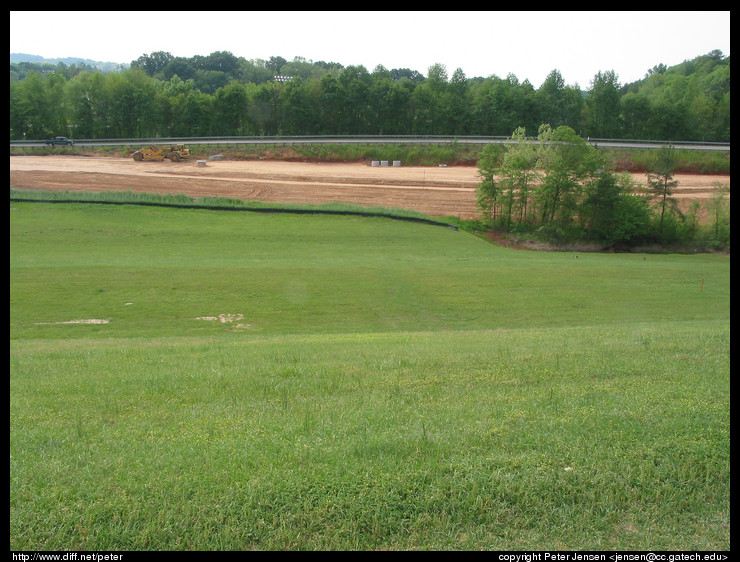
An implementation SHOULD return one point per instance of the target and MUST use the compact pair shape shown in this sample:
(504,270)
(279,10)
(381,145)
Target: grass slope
(311,382)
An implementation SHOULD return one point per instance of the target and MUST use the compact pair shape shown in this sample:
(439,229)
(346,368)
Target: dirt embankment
(434,191)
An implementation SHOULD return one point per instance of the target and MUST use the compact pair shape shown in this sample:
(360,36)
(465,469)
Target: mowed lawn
(213,380)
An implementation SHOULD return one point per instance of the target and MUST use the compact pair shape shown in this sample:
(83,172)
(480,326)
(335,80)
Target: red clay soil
(434,191)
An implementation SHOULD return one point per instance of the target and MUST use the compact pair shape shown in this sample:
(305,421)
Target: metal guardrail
(365,139)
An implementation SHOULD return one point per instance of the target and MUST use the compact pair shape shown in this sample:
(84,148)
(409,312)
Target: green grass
(377,384)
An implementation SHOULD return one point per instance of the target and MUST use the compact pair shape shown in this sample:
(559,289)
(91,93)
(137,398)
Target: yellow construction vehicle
(174,153)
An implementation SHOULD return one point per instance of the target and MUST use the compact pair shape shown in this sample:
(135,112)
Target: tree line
(561,189)
(160,95)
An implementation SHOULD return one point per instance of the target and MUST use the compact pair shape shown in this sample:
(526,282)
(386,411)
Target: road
(203,141)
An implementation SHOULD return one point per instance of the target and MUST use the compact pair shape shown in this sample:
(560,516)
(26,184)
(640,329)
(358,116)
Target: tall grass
(335,382)
(687,161)
(411,154)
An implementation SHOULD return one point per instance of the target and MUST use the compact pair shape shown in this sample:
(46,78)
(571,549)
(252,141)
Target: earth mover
(174,153)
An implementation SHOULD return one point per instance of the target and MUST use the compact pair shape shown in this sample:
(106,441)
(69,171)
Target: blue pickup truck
(60,140)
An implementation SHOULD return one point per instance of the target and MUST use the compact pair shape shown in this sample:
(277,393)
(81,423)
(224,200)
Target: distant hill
(102,66)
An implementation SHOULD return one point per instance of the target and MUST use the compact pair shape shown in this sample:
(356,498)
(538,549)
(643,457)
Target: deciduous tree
(661,183)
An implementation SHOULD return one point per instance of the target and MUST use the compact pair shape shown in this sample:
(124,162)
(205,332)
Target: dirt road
(434,191)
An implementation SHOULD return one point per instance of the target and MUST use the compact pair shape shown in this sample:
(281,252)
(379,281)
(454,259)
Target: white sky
(527,44)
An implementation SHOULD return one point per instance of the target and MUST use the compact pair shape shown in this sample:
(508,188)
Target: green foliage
(161,95)
(661,183)
(718,206)
(563,190)
(603,106)
(614,213)
(687,161)
(487,193)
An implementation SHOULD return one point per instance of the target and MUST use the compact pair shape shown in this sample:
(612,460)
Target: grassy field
(212,380)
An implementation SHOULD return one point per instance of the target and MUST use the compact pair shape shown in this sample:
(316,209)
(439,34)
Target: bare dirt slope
(434,191)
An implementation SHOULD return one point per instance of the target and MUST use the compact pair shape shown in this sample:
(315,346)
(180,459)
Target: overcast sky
(527,44)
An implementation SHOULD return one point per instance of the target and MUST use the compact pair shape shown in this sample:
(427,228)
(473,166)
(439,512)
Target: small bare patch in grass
(231,319)
(80,321)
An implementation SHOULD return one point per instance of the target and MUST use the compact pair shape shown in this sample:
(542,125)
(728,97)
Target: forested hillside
(221,94)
